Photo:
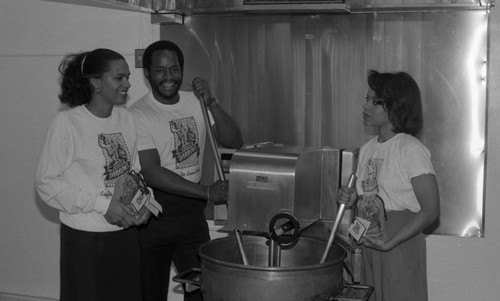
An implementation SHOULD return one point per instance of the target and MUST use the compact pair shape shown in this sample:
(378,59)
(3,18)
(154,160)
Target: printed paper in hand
(358,228)
(152,204)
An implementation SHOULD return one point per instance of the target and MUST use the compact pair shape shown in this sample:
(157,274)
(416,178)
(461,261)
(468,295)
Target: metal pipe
(274,258)
(340,214)
(270,257)
(211,138)
(240,247)
(277,252)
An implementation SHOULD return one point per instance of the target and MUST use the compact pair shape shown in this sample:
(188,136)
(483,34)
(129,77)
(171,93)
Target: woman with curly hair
(396,191)
(82,170)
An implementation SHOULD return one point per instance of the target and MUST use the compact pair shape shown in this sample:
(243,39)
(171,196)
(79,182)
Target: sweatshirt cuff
(101,205)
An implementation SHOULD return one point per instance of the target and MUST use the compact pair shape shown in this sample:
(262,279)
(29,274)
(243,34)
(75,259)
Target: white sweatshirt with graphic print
(81,159)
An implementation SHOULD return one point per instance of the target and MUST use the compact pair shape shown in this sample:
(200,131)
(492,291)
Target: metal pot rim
(335,261)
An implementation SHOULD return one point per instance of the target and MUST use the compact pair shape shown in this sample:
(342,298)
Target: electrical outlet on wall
(138,57)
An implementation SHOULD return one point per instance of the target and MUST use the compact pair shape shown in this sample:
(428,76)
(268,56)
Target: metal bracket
(487,3)
(167,18)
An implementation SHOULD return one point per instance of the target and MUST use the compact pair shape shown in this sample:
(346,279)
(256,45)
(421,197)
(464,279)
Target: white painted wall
(34,35)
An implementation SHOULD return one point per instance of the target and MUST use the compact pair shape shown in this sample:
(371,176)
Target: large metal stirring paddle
(340,214)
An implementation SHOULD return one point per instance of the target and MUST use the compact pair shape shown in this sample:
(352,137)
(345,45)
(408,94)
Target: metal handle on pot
(191,283)
(353,292)
(340,214)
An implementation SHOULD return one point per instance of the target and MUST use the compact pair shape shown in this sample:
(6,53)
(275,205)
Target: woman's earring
(97,90)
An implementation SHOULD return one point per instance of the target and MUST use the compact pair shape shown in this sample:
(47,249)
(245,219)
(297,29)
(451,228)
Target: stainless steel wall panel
(301,80)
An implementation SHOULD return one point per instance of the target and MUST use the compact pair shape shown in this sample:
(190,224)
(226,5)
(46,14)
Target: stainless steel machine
(297,182)
(283,192)
(282,206)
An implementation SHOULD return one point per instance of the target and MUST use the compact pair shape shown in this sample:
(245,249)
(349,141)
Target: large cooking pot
(300,276)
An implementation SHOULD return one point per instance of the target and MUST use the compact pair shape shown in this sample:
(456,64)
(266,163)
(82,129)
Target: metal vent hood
(194,7)
(145,6)
(177,9)
(203,7)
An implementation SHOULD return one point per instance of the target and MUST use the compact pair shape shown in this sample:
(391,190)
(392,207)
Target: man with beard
(171,139)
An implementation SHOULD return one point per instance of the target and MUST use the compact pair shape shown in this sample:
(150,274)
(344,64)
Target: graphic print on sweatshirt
(116,154)
(186,142)
(370,205)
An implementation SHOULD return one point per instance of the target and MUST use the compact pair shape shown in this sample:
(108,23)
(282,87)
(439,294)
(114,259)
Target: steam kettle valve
(284,228)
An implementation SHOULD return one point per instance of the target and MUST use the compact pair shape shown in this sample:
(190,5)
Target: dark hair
(77,69)
(147,57)
(401,97)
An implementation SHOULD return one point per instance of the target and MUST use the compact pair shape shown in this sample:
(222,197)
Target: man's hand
(218,193)
(202,90)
